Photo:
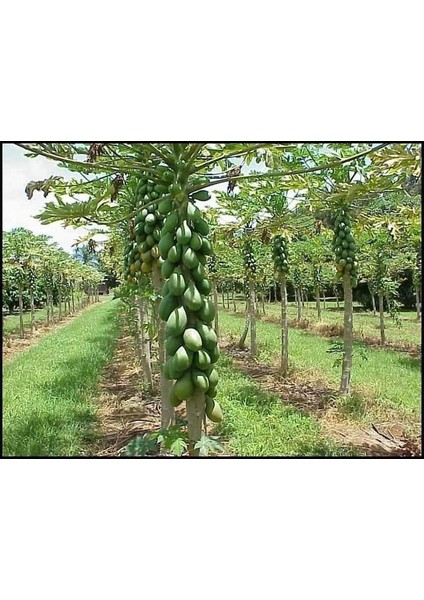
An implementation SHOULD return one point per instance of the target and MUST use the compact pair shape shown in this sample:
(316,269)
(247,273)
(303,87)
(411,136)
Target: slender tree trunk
(337,301)
(318,303)
(242,340)
(381,311)
(302,295)
(31,295)
(347,335)
(60,305)
(299,304)
(263,303)
(269,295)
(284,328)
(223,299)
(215,301)
(167,410)
(195,417)
(275,291)
(252,318)
(323,298)
(73,300)
(234,300)
(418,302)
(21,312)
(143,343)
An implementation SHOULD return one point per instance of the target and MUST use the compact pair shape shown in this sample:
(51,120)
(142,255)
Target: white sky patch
(18,211)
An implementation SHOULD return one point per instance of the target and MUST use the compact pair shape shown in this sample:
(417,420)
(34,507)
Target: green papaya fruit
(167,269)
(192,298)
(198,272)
(213,378)
(207,334)
(193,212)
(214,354)
(195,241)
(183,233)
(201,195)
(165,244)
(213,410)
(202,360)
(207,311)
(190,259)
(174,254)
(184,388)
(165,206)
(206,247)
(177,284)
(200,380)
(182,359)
(176,322)
(192,339)
(167,305)
(204,287)
(201,226)
(173,343)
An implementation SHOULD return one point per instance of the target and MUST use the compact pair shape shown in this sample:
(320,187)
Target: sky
(18,211)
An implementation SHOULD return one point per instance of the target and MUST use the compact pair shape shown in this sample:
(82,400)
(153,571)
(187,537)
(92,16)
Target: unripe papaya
(192,339)
(201,226)
(177,322)
(198,273)
(177,284)
(213,378)
(190,259)
(182,359)
(165,244)
(196,241)
(174,254)
(167,269)
(207,311)
(183,233)
(213,410)
(167,305)
(173,343)
(184,388)
(203,286)
(170,224)
(200,380)
(202,360)
(192,298)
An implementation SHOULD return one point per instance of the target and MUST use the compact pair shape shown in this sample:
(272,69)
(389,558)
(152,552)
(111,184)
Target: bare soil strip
(125,411)
(318,399)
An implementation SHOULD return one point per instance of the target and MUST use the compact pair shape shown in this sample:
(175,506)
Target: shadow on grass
(60,422)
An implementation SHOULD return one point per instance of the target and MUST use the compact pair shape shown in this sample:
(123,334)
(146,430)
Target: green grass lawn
(47,390)
(257,423)
(386,380)
(11,322)
(363,321)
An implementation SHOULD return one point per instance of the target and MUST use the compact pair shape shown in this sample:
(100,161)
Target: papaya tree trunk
(374,308)
(269,295)
(347,335)
(381,311)
(143,343)
(299,304)
(263,303)
(60,305)
(223,299)
(234,300)
(242,340)
(318,303)
(73,299)
(284,328)
(21,312)
(418,303)
(167,410)
(195,417)
(252,318)
(302,295)
(215,301)
(275,291)
(31,295)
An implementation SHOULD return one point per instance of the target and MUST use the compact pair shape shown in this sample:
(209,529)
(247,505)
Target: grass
(364,322)
(387,380)
(11,322)
(257,423)
(47,390)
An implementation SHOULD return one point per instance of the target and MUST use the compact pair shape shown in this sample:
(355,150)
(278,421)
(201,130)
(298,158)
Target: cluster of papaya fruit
(280,254)
(191,342)
(142,248)
(249,260)
(344,246)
